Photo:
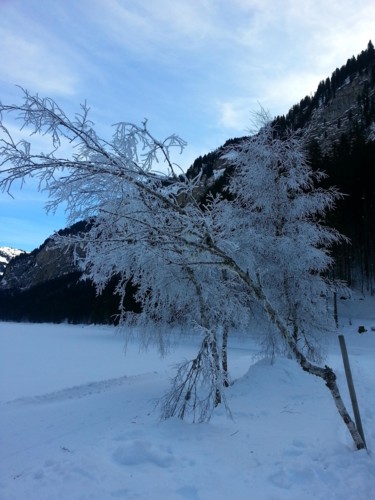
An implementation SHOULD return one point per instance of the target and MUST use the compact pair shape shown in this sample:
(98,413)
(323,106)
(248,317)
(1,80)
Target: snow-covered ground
(77,421)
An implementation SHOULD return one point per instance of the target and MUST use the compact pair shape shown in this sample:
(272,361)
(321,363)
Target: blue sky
(197,68)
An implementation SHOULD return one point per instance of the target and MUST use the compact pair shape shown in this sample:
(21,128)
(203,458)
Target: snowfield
(78,421)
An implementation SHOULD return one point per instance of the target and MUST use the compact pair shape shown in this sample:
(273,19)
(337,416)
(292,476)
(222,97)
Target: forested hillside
(340,119)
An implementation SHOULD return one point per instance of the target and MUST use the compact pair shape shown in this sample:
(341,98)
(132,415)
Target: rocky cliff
(45,263)
(345,111)
(30,269)
(342,104)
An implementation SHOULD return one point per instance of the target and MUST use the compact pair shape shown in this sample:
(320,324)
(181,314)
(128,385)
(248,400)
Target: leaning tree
(260,251)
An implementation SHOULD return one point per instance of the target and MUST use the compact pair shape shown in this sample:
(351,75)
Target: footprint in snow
(188,492)
(140,452)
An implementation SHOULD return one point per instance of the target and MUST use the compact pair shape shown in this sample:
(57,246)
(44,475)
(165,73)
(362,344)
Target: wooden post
(353,396)
(335,313)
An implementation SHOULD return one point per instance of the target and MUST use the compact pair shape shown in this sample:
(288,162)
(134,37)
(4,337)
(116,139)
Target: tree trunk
(214,352)
(329,376)
(326,373)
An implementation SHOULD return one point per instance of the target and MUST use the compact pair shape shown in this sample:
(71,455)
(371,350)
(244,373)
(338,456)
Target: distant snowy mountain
(6,254)
(45,263)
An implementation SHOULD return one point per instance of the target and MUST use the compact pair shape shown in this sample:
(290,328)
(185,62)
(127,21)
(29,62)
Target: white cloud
(149,26)
(236,115)
(34,65)
(280,94)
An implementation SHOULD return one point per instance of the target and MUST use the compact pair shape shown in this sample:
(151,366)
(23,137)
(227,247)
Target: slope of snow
(6,254)
(77,420)
(10,252)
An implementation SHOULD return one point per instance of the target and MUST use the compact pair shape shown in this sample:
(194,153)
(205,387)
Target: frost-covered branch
(197,387)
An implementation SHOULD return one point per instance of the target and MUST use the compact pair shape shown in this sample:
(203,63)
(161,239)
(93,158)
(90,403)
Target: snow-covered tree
(211,267)
(145,226)
(276,213)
